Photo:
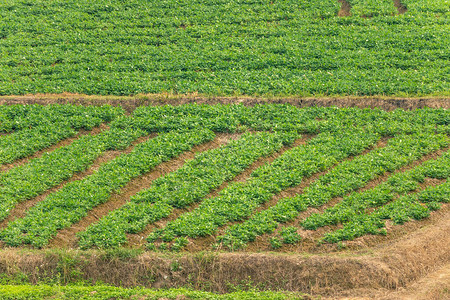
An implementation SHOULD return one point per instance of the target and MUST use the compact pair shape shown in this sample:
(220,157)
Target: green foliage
(102,292)
(275,242)
(371,8)
(34,127)
(189,184)
(69,204)
(233,47)
(239,200)
(346,177)
(355,204)
(39,174)
(290,235)
(340,133)
(399,211)
(429,7)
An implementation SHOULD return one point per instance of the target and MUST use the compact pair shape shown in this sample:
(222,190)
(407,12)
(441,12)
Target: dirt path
(435,285)
(345,9)
(129,103)
(400,7)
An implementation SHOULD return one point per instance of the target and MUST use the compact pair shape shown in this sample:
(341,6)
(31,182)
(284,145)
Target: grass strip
(97,292)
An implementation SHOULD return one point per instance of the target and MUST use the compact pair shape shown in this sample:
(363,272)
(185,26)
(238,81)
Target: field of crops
(100,292)
(204,177)
(217,47)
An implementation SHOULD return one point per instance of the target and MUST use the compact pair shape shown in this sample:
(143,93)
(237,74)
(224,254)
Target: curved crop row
(231,118)
(398,184)
(346,177)
(42,173)
(19,117)
(68,205)
(35,127)
(399,211)
(352,213)
(189,184)
(27,141)
(239,200)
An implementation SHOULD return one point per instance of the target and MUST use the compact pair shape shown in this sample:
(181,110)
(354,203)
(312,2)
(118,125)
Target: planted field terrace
(225,47)
(220,178)
(224,149)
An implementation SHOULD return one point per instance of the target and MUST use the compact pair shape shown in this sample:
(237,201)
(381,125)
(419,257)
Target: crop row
(72,202)
(40,174)
(231,118)
(221,48)
(37,127)
(400,207)
(19,117)
(239,200)
(101,292)
(27,141)
(218,118)
(430,7)
(189,184)
(399,211)
(398,184)
(346,177)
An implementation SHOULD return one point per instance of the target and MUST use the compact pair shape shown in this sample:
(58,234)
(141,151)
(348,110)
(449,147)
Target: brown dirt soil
(310,237)
(400,7)
(345,9)
(261,244)
(131,102)
(347,274)
(138,240)
(68,141)
(435,285)
(21,208)
(67,237)
(411,262)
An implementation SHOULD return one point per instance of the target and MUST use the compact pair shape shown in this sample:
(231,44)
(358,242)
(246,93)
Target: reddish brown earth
(410,262)
(345,9)
(67,238)
(400,7)
(131,102)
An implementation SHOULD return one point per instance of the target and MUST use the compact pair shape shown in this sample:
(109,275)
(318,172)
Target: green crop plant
(239,200)
(189,184)
(346,177)
(69,204)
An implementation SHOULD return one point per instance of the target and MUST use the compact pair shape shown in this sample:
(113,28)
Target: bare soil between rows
(412,257)
(389,269)
(132,102)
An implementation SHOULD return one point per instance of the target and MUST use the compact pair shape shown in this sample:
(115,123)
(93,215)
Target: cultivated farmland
(235,149)
(225,47)
(273,177)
